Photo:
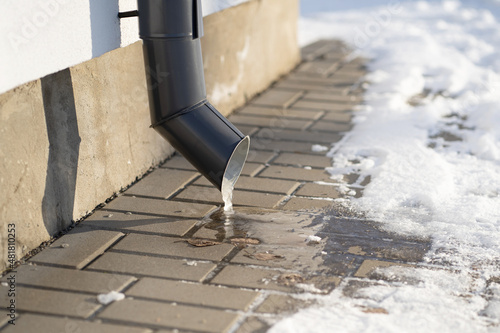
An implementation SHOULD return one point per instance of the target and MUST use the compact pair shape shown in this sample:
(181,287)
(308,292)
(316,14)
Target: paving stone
(316,190)
(296,85)
(274,227)
(253,325)
(369,266)
(321,48)
(297,256)
(279,112)
(266,135)
(4,319)
(274,122)
(170,246)
(338,54)
(212,234)
(259,184)
(318,80)
(279,304)
(360,228)
(358,63)
(355,71)
(341,264)
(350,99)
(285,146)
(277,98)
(306,204)
(317,67)
(292,173)
(257,156)
(202,194)
(156,314)
(159,207)
(303,160)
(53,302)
(378,248)
(162,183)
(330,81)
(178,162)
(81,246)
(141,265)
(339,117)
(70,279)
(240,198)
(354,288)
(193,294)
(354,74)
(315,49)
(251,169)
(31,323)
(169,226)
(323,106)
(250,277)
(247,129)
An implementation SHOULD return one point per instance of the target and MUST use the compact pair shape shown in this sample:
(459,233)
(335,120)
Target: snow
(311,239)
(429,138)
(319,148)
(110,297)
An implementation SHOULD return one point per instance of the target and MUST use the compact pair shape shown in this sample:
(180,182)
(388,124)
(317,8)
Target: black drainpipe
(171,32)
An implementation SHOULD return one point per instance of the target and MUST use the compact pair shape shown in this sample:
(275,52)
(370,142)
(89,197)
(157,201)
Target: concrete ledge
(71,139)
(247,47)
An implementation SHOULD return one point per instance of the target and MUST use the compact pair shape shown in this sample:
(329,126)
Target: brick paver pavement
(258,260)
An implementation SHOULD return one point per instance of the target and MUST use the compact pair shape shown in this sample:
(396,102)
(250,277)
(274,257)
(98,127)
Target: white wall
(40,37)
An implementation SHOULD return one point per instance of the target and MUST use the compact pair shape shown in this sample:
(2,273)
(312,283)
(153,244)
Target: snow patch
(110,297)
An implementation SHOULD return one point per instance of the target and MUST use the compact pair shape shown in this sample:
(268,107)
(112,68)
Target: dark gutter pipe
(171,32)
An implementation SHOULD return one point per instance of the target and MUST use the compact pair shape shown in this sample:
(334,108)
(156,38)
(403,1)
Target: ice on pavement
(429,137)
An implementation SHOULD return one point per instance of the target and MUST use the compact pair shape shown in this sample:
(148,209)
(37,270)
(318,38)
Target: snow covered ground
(429,137)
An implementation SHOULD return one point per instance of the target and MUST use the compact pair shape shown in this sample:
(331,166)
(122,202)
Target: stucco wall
(40,37)
(73,138)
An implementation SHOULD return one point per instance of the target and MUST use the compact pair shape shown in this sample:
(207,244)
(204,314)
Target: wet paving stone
(354,288)
(376,248)
(251,277)
(303,258)
(171,246)
(369,267)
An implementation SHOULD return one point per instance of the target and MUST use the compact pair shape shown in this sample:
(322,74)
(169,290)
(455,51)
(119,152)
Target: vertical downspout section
(171,32)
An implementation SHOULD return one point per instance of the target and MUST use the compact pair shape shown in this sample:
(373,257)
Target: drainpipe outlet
(180,112)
